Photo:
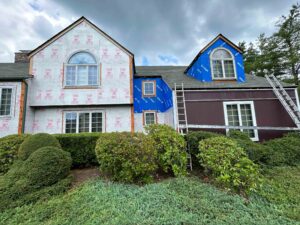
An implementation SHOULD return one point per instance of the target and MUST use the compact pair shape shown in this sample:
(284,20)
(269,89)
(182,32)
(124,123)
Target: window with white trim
(149,88)
(241,114)
(82,70)
(5,101)
(149,118)
(222,64)
(78,122)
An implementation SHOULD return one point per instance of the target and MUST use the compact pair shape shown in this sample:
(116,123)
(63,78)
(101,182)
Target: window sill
(149,96)
(224,79)
(81,87)
(5,116)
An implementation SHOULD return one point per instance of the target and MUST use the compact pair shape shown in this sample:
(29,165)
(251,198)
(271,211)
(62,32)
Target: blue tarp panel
(201,68)
(161,102)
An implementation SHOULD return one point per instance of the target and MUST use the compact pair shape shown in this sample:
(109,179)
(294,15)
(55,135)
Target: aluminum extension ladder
(182,124)
(285,99)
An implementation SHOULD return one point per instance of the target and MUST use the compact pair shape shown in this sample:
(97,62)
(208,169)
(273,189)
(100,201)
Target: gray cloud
(162,31)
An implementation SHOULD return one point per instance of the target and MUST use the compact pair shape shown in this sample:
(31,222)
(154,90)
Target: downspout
(24,106)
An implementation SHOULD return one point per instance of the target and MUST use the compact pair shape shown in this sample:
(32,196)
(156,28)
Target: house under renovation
(82,80)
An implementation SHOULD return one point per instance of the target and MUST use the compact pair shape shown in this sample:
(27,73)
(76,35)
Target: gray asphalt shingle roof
(175,74)
(14,71)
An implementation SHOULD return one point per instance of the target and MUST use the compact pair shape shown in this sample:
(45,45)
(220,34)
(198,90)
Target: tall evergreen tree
(288,37)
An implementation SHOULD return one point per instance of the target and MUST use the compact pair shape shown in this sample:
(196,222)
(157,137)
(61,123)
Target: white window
(149,88)
(241,114)
(82,70)
(149,118)
(222,64)
(77,122)
(5,101)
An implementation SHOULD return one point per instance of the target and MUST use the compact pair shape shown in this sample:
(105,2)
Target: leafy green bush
(228,164)
(47,165)
(284,151)
(194,137)
(127,157)
(9,146)
(257,152)
(34,142)
(81,146)
(41,174)
(171,148)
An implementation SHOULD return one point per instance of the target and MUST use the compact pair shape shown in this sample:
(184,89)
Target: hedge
(81,147)
(127,157)
(9,146)
(257,152)
(34,142)
(284,151)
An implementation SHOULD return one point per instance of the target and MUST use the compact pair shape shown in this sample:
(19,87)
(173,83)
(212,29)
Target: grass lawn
(173,201)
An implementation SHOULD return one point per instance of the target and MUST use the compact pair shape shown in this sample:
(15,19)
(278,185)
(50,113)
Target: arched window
(81,70)
(222,63)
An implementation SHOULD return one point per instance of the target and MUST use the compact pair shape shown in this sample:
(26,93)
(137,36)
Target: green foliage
(280,186)
(284,151)
(171,148)
(194,137)
(34,142)
(127,157)
(257,152)
(9,146)
(47,165)
(81,146)
(173,201)
(228,164)
(39,175)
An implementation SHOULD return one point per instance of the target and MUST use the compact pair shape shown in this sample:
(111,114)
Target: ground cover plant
(174,201)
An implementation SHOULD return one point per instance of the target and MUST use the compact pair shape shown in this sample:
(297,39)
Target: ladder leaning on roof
(181,119)
(285,99)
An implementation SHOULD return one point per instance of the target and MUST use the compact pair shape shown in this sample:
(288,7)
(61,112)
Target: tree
(288,37)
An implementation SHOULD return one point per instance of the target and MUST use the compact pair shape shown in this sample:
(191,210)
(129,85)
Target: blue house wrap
(201,69)
(160,103)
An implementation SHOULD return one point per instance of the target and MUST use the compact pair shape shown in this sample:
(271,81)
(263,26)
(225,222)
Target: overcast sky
(158,32)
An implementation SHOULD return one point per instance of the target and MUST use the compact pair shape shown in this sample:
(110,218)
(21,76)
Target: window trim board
(149,111)
(223,68)
(251,103)
(64,112)
(154,88)
(12,102)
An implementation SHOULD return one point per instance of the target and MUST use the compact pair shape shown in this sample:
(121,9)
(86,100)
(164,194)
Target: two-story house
(82,80)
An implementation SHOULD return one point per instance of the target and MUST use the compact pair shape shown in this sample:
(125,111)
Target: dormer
(220,60)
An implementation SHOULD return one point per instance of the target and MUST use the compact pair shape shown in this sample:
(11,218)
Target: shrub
(228,164)
(42,174)
(284,151)
(47,165)
(257,152)
(81,146)
(9,146)
(127,157)
(171,148)
(193,138)
(35,142)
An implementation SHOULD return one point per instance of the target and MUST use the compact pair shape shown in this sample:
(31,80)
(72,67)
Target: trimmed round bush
(171,148)
(126,157)
(34,142)
(228,164)
(284,151)
(47,165)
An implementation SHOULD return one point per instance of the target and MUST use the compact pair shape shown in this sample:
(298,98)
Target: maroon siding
(206,108)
